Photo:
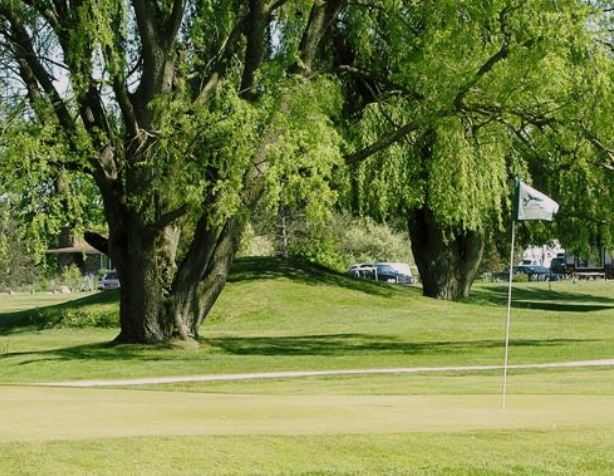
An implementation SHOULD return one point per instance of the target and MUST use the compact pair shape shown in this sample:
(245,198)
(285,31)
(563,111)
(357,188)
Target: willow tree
(455,98)
(182,113)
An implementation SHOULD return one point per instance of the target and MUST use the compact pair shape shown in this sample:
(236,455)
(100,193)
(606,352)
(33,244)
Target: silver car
(110,281)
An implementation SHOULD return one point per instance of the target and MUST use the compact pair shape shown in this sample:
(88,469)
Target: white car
(363,270)
(110,281)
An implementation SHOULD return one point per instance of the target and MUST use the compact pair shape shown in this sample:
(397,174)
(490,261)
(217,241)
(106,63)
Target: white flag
(531,204)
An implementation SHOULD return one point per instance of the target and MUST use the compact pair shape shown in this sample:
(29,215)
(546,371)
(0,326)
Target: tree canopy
(184,114)
(482,92)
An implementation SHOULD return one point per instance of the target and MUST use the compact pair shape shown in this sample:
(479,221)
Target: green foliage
(192,142)
(495,91)
(365,241)
(341,241)
(72,277)
(520,278)
(307,147)
(16,263)
(44,197)
(255,245)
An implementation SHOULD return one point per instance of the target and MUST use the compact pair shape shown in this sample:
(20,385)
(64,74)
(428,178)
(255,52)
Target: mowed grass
(532,452)
(279,316)
(110,431)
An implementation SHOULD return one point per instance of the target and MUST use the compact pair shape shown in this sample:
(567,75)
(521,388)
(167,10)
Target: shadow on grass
(344,344)
(542,299)
(313,345)
(104,351)
(54,315)
(254,268)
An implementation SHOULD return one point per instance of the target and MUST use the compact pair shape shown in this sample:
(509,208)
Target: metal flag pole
(508,320)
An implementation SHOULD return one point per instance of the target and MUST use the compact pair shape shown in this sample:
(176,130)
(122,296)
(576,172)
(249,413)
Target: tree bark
(159,302)
(447,258)
(136,258)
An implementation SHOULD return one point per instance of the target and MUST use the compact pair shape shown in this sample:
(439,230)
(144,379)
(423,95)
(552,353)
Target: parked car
(109,281)
(363,271)
(398,273)
(557,266)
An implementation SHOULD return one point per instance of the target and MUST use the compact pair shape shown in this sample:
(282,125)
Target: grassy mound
(101,309)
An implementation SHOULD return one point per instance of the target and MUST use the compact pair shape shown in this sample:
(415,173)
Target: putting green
(31,414)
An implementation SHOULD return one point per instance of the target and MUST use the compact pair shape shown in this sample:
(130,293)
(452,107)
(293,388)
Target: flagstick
(508,320)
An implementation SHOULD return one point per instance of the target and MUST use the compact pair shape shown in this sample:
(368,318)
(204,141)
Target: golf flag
(530,204)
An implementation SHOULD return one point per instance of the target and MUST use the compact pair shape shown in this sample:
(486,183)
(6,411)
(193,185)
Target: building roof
(79,246)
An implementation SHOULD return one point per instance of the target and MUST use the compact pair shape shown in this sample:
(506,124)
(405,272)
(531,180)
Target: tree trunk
(137,257)
(203,275)
(447,259)
(282,230)
(158,302)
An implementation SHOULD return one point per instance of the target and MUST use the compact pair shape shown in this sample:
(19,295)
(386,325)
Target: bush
(367,241)
(343,240)
(255,245)
(72,277)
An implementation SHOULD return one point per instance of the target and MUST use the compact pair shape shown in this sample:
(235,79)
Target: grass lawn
(276,316)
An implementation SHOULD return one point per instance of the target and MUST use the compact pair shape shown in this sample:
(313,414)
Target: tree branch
(174,21)
(322,14)
(254,52)
(501,54)
(168,218)
(383,143)
(26,56)
(202,90)
(97,241)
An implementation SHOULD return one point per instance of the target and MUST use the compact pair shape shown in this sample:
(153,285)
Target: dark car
(558,268)
(398,273)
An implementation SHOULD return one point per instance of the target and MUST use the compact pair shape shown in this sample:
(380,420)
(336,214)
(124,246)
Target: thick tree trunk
(447,259)
(138,258)
(203,275)
(158,303)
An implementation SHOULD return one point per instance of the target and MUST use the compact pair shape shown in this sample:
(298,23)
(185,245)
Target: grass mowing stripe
(31,413)
(534,452)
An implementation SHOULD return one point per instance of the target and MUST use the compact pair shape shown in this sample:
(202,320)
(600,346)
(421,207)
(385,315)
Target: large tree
(182,112)
(463,98)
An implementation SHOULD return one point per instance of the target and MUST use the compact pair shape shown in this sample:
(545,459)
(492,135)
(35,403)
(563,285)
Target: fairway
(278,318)
(30,414)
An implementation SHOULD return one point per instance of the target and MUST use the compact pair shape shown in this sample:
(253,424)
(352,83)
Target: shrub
(255,245)
(520,278)
(17,267)
(342,240)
